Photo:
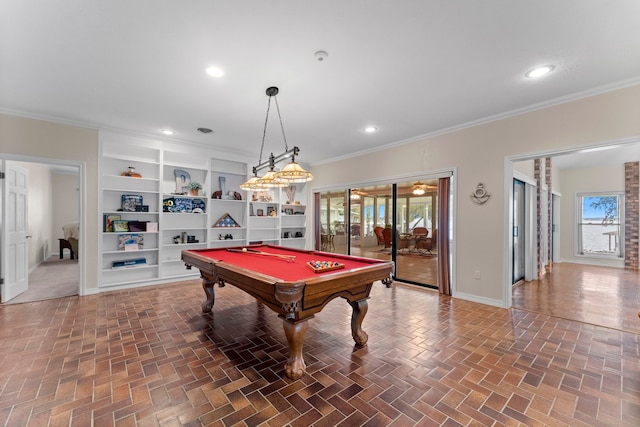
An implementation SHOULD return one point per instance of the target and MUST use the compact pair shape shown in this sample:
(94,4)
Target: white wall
(479,154)
(64,205)
(24,137)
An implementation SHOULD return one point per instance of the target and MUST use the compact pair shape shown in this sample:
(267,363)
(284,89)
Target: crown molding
(496,117)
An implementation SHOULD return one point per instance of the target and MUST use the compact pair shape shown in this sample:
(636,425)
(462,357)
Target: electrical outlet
(476,274)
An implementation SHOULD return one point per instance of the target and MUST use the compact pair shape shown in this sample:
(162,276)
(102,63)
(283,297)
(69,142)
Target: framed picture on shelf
(271,211)
(120,225)
(288,211)
(152,227)
(260,212)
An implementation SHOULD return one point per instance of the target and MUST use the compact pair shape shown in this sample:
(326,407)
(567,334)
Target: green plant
(193,185)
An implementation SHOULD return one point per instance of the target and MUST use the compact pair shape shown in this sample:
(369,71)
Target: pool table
(284,280)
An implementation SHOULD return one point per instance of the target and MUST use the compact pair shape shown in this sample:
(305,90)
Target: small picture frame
(260,212)
(271,211)
(120,225)
(288,211)
(152,227)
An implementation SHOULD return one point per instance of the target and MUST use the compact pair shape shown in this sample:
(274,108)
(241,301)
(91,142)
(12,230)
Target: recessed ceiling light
(539,71)
(370,129)
(167,131)
(215,72)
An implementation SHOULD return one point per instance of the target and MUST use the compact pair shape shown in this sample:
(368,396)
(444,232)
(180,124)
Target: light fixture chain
(286,147)
(264,132)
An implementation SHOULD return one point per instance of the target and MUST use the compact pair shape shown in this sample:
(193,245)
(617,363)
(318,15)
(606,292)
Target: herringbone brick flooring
(149,357)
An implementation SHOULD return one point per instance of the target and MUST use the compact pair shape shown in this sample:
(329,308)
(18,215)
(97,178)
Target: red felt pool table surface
(281,268)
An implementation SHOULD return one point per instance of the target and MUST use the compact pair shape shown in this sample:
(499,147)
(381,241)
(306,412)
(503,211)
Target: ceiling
(409,68)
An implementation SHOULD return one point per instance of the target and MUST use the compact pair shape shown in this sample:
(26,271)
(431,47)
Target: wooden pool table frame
(296,301)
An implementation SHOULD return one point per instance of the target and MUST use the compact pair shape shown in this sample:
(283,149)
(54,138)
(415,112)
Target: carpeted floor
(54,278)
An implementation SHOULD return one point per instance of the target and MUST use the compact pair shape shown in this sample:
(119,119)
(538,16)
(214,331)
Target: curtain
(317,221)
(442,237)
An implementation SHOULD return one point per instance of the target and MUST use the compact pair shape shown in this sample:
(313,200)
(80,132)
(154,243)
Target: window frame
(578,245)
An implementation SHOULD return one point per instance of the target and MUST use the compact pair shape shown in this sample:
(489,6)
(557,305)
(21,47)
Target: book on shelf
(137,262)
(107,224)
(130,242)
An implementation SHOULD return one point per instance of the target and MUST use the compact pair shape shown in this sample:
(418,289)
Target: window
(600,230)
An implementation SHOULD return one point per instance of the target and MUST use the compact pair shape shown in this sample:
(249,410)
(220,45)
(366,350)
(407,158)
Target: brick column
(631,214)
(537,172)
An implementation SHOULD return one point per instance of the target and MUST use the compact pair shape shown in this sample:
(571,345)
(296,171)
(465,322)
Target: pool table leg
(207,286)
(295,367)
(360,308)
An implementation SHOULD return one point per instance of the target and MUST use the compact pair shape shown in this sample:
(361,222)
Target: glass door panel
(518,230)
(332,222)
(415,251)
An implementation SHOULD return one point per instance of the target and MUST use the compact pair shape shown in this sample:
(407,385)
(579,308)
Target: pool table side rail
(309,296)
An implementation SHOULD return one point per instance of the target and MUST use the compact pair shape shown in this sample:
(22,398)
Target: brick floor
(149,357)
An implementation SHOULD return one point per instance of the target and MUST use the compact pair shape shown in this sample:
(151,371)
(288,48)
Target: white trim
(481,300)
(524,178)
(388,180)
(507,242)
(573,150)
(619,262)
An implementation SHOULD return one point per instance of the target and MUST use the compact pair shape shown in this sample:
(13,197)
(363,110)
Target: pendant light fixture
(291,173)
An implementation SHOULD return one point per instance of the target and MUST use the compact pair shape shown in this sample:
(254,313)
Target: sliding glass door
(390,221)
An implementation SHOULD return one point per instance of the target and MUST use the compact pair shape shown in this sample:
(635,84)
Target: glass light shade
(418,189)
(294,173)
(252,184)
(271,180)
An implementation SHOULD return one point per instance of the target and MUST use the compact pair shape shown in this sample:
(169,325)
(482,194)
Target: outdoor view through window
(599,224)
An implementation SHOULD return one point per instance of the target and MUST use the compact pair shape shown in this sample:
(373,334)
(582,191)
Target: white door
(15,247)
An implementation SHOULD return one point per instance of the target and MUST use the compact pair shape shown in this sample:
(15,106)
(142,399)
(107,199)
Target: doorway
(53,207)
(518,230)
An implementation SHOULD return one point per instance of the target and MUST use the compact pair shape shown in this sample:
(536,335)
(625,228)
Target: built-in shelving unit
(143,162)
(183,223)
(153,175)
(228,217)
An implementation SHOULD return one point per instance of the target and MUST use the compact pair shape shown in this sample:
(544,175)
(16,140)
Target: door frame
(81,203)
